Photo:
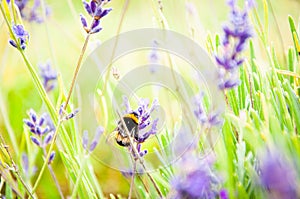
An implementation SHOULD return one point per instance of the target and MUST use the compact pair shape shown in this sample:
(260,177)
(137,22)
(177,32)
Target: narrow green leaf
(295,105)
(294,35)
(291,64)
(8,192)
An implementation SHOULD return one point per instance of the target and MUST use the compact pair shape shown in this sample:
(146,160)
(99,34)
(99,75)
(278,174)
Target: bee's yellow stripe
(133,117)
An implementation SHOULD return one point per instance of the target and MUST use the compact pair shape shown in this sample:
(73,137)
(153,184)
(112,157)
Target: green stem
(14,11)
(78,180)
(53,176)
(61,117)
(15,167)
(77,70)
(115,46)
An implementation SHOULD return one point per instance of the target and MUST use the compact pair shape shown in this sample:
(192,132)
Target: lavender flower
(31,14)
(211,119)
(41,128)
(25,163)
(236,35)
(62,112)
(72,114)
(223,194)
(153,57)
(194,180)
(143,111)
(48,75)
(95,140)
(21,5)
(95,9)
(21,36)
(278,177)
(146,125)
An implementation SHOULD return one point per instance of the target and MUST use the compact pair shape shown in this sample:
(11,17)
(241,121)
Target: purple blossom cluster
(195,180)
(143,111)
(277,176)
(236,34)
(42,130)
(21,36)
(31,14)
(68,116)
(95,141)
(211,119)
(48,75)
(95,9)
(146,125)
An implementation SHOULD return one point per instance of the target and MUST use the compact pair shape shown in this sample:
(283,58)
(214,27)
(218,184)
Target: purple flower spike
(143,113)
(236,34)
(194,180)
(94,9)
(223,194)
(25,163)
(48,75)
(21,36)
(203,116)
(31,14)
(278,177)
(42,127)
(95,141)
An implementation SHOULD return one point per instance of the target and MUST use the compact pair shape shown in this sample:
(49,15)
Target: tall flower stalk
(236,34)
(99,4)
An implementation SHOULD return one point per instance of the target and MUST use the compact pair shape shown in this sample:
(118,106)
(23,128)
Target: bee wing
(111,137)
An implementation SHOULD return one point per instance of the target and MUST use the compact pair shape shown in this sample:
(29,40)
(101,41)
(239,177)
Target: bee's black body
(131,122)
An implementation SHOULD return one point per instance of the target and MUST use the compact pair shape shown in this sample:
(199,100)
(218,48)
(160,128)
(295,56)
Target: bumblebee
(131,121)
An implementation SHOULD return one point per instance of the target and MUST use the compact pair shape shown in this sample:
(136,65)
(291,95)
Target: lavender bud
(93,6)
(71,115)
(96,30)
(105,12)
(52,156)
(48,138)
(61,109)
(95,141)
(84,22)
(38,130)
(35,140)
(95,24)
(143,153)
(87,8)
(223,194)
(41,121)
(29,123)
(25,162)
(46,130)
(85,139)
(32,115)
(98,13)
(13,43)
